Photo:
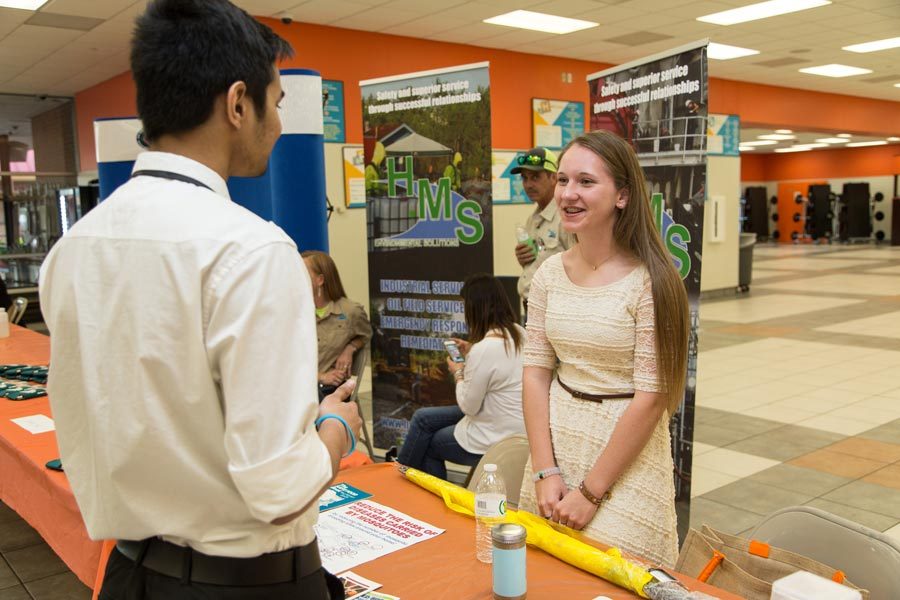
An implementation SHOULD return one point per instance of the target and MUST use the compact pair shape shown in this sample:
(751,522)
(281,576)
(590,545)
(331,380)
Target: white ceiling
(751,134)
(39,59)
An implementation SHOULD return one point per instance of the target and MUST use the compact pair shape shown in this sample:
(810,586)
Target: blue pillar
(116,145)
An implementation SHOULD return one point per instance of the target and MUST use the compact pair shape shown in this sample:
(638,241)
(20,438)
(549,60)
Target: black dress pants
(126,580)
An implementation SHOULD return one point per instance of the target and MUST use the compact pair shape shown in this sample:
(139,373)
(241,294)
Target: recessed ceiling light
(793,149)
(777,136)
(761,10)
(834,140)
(23,4)
(862,144)
(783,131)
(535,21)
(844,135)
(759,143)
(835,70)
(726,52)
(875,46)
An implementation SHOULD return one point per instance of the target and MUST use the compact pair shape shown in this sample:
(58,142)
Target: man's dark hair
(185,53)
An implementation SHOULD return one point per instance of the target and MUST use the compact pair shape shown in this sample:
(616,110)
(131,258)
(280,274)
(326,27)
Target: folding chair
(358,367)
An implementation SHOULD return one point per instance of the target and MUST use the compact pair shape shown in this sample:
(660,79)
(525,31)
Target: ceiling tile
(327,12)
(99,9)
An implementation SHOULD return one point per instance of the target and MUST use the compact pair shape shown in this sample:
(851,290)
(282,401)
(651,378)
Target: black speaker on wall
(859,221)
(820,213)
(895,222)
(756,212)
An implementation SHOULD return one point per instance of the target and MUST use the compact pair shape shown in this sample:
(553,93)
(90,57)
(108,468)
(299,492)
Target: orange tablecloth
(42,497)
(446,567)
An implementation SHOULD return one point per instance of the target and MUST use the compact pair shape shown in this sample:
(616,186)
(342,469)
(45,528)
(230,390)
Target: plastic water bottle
(523,237)
(490,509)
(4,323)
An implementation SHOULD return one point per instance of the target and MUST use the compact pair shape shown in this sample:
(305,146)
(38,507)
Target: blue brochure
(339,495)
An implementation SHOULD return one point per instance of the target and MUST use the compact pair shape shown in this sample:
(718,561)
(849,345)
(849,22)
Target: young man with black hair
(183,340)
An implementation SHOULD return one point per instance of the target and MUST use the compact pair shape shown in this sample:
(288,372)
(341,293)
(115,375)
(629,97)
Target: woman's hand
(549,492)
(463,345)
(453,367)
(333,377)
(345,360)
(574,510)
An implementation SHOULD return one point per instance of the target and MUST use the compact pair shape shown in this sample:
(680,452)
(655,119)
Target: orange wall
(875,161)
(351,56)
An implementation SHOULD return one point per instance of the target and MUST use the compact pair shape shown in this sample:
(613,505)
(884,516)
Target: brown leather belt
(187,564)
(593,397)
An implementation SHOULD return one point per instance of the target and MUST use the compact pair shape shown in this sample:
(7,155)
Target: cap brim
(521,168)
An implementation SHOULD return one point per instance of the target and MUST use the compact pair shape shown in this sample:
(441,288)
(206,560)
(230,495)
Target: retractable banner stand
(659,104)
(291,193)
(427,154)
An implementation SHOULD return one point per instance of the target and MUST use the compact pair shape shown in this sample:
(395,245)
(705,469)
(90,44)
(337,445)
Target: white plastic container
(4,323)
(806,586)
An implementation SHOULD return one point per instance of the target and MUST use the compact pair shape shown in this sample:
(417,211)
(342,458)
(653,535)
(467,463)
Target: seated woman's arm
(361,330)
(478,372)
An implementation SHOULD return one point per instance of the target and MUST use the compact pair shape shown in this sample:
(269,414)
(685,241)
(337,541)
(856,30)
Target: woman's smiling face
(586,193)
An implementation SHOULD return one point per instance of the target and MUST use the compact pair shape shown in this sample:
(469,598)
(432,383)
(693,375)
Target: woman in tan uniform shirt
(341,324)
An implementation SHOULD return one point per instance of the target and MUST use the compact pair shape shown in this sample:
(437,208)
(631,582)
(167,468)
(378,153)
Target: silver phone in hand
(453,351)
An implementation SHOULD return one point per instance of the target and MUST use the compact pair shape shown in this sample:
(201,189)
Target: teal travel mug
(509,561)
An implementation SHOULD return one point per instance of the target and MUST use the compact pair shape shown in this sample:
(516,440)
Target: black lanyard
(170,175)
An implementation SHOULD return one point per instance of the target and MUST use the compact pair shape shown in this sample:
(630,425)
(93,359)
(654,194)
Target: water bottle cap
(490,468)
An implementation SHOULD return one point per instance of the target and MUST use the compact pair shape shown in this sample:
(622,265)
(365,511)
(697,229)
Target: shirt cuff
(284,484)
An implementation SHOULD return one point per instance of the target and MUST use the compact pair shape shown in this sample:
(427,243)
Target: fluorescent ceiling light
(761,10)
(875,46)
(783,131)
(23,4)
(812,146)
(743,148)
(726,52)
(535,21)
(777,136)
(759,143)
(844,135)
(861,144)
(897,85)
(893,139)
(834,140)
(835,70)
(793,149)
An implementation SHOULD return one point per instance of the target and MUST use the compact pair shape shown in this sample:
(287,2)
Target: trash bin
(745,270)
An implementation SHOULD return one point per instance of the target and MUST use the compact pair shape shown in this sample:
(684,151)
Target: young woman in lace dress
(610,315)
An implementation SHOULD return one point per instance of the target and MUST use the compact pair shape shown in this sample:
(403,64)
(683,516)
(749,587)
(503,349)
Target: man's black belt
(189,565)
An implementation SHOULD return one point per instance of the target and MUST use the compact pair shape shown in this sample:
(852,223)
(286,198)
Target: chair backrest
(871,560)
(360,358)
(510,455)
(17,309)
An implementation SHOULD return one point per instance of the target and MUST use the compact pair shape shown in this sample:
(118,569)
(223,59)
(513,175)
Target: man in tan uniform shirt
(538,170)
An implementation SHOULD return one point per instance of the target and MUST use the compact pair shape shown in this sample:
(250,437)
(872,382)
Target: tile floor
(798,402)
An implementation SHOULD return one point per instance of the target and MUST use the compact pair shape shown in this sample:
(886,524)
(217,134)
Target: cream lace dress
(604,340)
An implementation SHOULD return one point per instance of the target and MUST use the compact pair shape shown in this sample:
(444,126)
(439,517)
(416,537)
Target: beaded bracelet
(591,497)
(352,437)
(545,473)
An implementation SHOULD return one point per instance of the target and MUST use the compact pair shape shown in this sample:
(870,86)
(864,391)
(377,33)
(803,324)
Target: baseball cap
(536,159)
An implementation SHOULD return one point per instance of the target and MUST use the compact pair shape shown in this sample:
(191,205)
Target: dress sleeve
(263,318)
(646,377)
(539,351)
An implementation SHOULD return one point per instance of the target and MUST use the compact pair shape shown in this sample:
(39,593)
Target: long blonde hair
(635,231)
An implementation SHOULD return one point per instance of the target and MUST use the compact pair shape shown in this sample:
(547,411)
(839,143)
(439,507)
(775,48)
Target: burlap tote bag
(745,567)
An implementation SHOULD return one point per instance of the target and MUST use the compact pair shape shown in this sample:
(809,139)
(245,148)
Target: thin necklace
(589,263)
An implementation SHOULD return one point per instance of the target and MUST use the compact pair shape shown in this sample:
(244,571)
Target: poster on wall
(507,187)
(354,177)
(659,105)
(554,123)
(333,111)
(723,134)
(427,179)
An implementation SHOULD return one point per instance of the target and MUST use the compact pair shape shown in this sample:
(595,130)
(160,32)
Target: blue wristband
(352,437)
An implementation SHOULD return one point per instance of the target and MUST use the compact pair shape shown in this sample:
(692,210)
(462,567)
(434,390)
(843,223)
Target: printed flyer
(357,533)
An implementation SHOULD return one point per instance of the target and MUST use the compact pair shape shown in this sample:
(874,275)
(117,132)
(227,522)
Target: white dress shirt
(183,379)
(490,394)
